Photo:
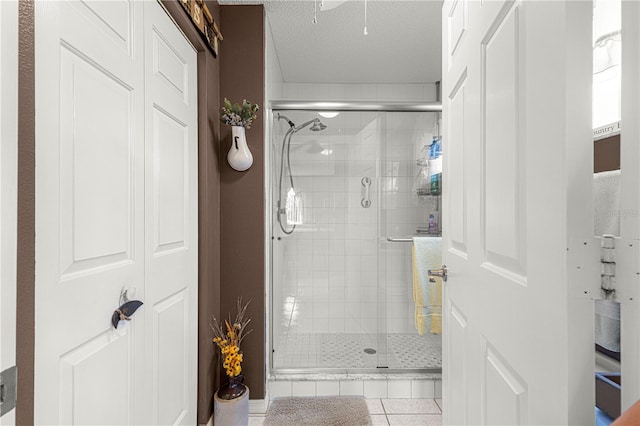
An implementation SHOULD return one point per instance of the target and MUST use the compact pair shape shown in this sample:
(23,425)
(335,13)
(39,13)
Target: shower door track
(355,371)
(356,106)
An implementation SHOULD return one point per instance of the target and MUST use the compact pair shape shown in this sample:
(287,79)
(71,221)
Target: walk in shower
(346,200)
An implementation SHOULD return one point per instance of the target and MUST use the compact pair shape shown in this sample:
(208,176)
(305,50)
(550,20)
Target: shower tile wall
(332,263)
(330,281)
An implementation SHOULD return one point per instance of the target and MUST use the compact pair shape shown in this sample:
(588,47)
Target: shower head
(317,126)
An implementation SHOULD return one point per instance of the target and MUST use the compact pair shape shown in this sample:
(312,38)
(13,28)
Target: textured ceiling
(403,44)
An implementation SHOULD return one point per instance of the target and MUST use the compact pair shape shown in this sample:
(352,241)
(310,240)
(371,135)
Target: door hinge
(608,267)
(8,389)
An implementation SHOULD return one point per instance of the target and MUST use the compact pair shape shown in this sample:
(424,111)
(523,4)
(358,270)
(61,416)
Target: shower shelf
(422,193)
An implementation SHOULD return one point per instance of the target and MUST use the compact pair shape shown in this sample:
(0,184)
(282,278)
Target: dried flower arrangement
(228,337)
(239,115)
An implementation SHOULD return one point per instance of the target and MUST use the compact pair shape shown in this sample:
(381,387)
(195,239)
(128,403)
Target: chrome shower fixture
(291,209)
(317,126)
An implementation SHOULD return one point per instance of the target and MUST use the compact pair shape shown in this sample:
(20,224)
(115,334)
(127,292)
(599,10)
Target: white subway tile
(438,388)
(351,387)
(422,389)
(337,325)
(321,92)
(375,389)
(336,92)
(369,91)
(321,325)
(303,388)
(353,92)
(327,387)
(290,91)
(385,92)
(279,389)
(399,388)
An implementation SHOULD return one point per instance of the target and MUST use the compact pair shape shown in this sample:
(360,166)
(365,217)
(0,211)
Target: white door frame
(627,253)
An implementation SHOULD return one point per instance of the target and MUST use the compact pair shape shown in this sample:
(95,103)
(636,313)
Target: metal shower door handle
(442,273)
(366,185)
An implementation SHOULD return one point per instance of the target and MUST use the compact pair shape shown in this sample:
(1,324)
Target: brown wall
(242,229)
(25,321)
(606,154)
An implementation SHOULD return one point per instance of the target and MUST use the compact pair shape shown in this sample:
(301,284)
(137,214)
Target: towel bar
(399,240)
(409,240)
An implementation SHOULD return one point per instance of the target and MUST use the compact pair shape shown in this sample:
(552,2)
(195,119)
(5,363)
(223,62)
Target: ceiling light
(330,4)
(329,114)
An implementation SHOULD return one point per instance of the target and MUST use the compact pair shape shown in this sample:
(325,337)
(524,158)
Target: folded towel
(608,324)
(606,217)
(427,296)
(606,203)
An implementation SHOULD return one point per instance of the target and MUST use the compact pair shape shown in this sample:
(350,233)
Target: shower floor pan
(357,351)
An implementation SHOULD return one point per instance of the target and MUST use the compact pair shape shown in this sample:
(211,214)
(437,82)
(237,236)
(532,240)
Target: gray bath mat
(318,411)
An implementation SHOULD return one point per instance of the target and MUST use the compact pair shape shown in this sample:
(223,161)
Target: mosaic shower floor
(354,350)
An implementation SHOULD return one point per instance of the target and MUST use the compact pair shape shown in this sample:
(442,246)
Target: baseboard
(259,406)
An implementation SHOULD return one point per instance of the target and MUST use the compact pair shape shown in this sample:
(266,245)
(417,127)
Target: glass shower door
(409,207)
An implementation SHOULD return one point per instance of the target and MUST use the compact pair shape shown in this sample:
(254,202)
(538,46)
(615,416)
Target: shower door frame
(327,106)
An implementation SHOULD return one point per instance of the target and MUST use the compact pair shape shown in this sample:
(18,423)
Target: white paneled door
(171,231)
(627,254)
(8,191)
(518,340)
(115,210)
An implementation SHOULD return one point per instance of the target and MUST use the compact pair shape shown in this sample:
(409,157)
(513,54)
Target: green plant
(239,115)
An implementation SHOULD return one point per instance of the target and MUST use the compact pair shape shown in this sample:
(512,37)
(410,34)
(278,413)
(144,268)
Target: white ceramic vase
(231,411)
(239,156)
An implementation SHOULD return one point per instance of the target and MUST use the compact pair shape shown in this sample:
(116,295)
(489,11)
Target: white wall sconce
(239,156)
(239,117)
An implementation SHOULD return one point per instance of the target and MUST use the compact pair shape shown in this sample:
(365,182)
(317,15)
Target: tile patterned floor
(347,350)
(393,412)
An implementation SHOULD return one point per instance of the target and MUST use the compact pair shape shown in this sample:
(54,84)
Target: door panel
(502,193)
(504,394)
(89,212)
(172,364)
(171,218)
(514,95)
(458,184)
(96,159)
(116,210)
(8,186)
(97,367)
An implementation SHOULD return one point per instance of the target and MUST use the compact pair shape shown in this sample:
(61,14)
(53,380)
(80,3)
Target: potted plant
(232,399)
(239,117)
